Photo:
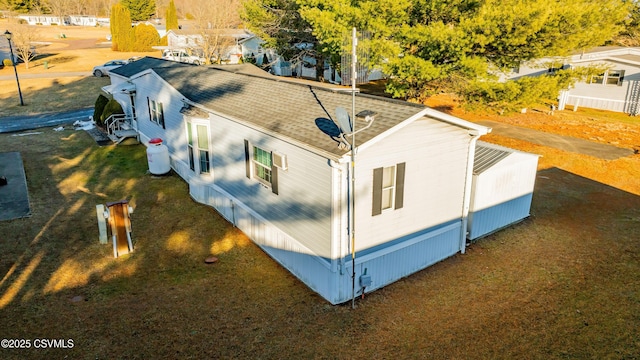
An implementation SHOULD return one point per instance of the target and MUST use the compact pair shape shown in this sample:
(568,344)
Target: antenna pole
(354,43)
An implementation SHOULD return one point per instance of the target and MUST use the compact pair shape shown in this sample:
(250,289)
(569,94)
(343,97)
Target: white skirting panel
(385,264)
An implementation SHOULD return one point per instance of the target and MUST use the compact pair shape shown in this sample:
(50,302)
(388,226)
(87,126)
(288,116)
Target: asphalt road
(20,123)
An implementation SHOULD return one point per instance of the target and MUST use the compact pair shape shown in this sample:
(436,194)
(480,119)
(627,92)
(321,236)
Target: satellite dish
(344,122)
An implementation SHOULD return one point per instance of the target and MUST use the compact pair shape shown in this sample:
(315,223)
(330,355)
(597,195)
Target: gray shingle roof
(287,110)
(144,64)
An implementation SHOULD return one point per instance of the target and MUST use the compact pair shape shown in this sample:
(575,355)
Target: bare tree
(59,8)
(214,22)
(23,38)
(77,7)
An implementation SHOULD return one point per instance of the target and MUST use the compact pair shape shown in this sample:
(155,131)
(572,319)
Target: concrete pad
(566,143)
(14,197)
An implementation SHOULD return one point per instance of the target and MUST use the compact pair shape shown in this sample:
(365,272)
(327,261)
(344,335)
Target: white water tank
(158,157)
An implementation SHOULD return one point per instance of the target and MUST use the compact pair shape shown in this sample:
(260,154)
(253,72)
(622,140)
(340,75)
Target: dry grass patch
(48,95)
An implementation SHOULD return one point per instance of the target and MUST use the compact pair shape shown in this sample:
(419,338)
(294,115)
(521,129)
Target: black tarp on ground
(14,197)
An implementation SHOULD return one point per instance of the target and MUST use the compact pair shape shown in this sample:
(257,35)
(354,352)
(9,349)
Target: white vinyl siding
(436,155)
(173,135)
(302,206)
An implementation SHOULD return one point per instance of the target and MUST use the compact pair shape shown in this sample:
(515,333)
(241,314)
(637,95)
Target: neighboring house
(42,19)
(270,60)
(192,39)
(82,20)
(79,20)
(617,89)
(267,155)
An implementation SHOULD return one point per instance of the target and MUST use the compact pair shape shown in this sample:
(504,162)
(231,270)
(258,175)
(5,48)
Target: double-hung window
(198,148)
(388,188)
(260,166)
(156,113)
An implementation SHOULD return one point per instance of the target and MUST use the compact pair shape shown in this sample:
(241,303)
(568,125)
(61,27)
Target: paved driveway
(566,143)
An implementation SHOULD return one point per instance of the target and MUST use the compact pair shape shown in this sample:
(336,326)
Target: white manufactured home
(266,153)
(616,89)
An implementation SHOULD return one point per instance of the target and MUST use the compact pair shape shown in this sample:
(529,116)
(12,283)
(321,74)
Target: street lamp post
(8,34)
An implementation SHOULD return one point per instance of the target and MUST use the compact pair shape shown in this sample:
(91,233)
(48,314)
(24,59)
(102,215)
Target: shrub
(145,37)
(164,41)
(7,62)
(101,102)
(112,107)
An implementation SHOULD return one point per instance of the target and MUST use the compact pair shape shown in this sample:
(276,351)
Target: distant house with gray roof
(617,89)
(268,154)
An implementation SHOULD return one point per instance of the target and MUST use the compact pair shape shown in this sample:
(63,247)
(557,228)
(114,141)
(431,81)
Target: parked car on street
(102,70)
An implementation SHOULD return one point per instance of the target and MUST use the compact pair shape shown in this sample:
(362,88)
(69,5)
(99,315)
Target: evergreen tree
(145,37)
(21,6)
(171,17)
(441,43)
(280,24)
(140,10)
(121,31)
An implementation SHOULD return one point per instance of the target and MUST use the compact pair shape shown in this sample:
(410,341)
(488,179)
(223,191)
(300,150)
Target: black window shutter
(247,158)
(377,192)
(149,106)
(274,177)
(399,185)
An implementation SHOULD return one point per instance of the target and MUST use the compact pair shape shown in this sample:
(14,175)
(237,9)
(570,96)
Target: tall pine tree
(140,10)
(172,17)
(121,31)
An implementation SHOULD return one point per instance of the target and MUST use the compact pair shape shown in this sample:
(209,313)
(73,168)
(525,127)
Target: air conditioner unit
(279,160)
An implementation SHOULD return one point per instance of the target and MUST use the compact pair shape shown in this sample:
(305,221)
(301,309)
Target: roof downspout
(338,211)
(467,189)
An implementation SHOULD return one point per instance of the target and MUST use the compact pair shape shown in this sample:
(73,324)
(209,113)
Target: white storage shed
(501,190)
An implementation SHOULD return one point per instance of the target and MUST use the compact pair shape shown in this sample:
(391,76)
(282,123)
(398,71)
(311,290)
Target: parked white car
(102,70)
(184,56)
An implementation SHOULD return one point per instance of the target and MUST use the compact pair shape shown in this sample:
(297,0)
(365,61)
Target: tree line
(461,46)
(423,46)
